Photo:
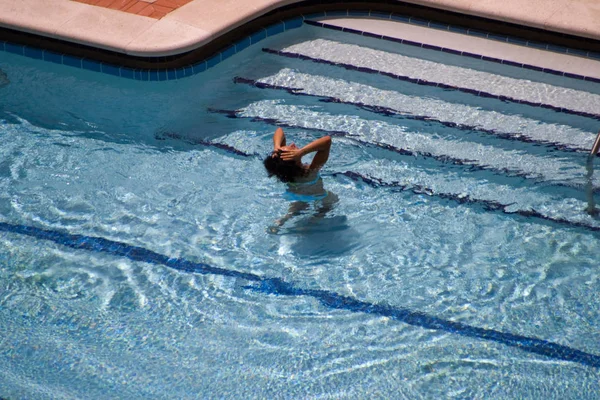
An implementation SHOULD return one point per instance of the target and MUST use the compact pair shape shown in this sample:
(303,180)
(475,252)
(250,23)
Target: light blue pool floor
(136,258)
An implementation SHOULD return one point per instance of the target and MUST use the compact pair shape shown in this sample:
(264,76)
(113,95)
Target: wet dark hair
(286,171)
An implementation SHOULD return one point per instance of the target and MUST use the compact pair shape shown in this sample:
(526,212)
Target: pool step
(431,73)
(568,213)
(460,116)
(513,162)
(447,186)
(472,43)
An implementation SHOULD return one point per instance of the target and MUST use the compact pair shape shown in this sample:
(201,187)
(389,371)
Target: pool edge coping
(187,28)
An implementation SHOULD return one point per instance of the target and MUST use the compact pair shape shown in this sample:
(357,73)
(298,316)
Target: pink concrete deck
(131,30)
(146,8)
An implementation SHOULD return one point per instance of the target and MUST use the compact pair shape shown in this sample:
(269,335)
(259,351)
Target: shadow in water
(310,220)
(319,237)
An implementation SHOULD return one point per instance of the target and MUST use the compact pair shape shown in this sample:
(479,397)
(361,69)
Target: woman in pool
(285,162)
(305,186)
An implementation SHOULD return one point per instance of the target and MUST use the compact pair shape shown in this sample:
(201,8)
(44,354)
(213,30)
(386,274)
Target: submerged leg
(295,208)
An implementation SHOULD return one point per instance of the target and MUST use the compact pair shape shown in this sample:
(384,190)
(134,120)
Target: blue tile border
(189,70)
(359,14)
(274,29)
(91,65)
(519,41)
(33,52)
(228,52)
(258,36)
(53,57)
(337,13)
(141,75)
(243,44)
(171,74)
(214,60)
(314,15)
(439,26)
(293,23)
(155,75)
(127,73)
(418,21)
(381,15)
(399,18)
(111,69)
(594,55)
(14,48)
(197,68)
(72,61)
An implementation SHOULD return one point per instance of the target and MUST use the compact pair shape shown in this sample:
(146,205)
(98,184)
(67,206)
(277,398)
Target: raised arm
(278,139)
(321,146)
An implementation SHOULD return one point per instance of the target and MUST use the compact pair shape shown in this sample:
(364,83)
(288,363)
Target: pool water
(137,259)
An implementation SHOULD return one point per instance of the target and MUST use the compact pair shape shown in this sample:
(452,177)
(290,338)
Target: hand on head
(291,154)
(286,161)
(287,153)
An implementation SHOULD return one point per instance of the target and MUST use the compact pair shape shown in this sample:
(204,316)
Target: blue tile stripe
(477,33)
(436,84)
(153,74)
(329,299)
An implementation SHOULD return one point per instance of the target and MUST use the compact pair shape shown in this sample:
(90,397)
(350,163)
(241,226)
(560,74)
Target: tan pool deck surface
(154,28)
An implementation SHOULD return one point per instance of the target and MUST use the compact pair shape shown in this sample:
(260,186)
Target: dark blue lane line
(386,111)
(278,286)
(120,249)
(431,83)
(336,301)
(470,164)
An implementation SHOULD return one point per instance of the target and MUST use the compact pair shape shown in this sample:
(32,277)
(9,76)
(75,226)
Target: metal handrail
(591,208)
(596,145)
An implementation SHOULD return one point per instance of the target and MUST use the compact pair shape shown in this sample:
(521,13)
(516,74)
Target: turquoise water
(137,259)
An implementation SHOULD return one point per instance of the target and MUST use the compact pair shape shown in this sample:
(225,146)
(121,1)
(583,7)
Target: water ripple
(332,300)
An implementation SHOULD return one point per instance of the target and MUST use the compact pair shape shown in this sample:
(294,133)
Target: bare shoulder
(310,174)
